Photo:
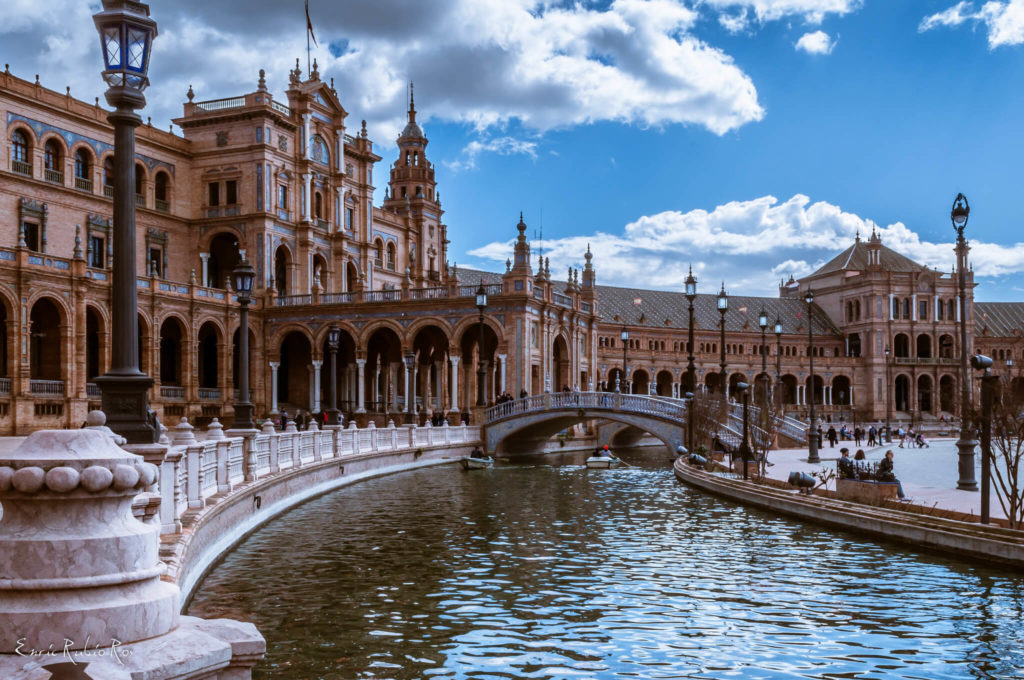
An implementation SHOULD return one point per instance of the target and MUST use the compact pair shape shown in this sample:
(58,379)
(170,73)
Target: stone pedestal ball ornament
(75,564)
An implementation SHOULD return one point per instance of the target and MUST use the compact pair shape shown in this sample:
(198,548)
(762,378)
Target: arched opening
(946,346)
(235,359)
(469,343)
(734,380)
(345,371)
(281,261)
(947,393)
(51,157)
(641,382)
(145,347)
(172,336)
(93,344)
(378,253)
(351,276)
(208,339)
(390,261)
(46,359)
(560,365)
(853,345)
(431,349)
(20,152)
(5,369)
(901,346)
(293,379)
(924,394)
(664,382)
(901,393)
(224,257)
(842,392)
(614,377)
(713,383)
(789,384)
(108,175)
(320,272)
(140,178)
(318,206)
(815,391)
(924,346)
(162,190)
(83,169)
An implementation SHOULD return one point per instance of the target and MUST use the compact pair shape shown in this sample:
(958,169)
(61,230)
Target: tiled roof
(1000,319)
(856,258)
(654,307)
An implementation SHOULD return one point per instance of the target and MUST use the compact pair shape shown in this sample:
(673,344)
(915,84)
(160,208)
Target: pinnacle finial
(190,94)
(412,104)
(262,84)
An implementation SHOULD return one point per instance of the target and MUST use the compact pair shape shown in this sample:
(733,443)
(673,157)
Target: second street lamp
(243,277)
(624,336)
(481,304)
(778,364)
(691,371)
(723,307)
(812,437)
(762,380)
(333,340)
(959,214)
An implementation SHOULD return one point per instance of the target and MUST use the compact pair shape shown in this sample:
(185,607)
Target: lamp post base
(126,404)
(967,481)
(332,416)
(243,416)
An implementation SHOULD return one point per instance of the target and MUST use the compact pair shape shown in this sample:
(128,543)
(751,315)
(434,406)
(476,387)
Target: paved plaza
(928,475)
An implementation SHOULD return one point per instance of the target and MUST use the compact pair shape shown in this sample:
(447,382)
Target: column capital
(361,363)
(204,256)
(317,363)
(274,365)
(455,359)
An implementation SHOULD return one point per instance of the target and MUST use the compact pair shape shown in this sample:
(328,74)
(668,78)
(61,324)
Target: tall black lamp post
(688,398)
(126,38)
(959,214)
(723,307)
(888,397)
(744,390)
(778,362)
(624,336)
(812,438)
(243,277)
(989,390)
(333,341)
(481,305)
(762,380)
(691,370)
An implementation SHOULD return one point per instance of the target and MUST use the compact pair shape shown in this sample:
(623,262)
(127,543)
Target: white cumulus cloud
(816,42)
(1002,19)
(502,146)
(811,11)
(750,244)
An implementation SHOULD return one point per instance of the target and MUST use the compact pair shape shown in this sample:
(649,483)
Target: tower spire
(412,104)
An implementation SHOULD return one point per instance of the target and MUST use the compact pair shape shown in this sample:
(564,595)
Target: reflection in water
(562,572)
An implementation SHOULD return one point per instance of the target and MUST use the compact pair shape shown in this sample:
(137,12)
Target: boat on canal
(602,459)
(477,460)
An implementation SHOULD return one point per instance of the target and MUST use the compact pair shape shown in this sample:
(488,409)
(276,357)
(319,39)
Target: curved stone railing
(632,403)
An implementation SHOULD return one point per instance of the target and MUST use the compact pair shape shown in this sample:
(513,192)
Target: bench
(867,492)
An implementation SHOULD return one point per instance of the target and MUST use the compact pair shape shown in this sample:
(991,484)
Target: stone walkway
(929,475)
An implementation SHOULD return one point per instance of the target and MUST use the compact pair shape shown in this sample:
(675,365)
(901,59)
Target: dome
(412,130)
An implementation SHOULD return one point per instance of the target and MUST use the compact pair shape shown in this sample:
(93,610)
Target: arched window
(895,308)
(82,164)
(51,155)
(318,205)
(378,250)
(19,144)
(906,308)
(108,172)
(951,310)
(161,191)
(391,256)
(408,158)
(856,309)
(140,175)
(940,311)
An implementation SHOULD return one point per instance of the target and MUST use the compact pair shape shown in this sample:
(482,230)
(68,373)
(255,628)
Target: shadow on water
(551,570)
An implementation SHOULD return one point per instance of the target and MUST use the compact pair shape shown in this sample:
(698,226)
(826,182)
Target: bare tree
(1008,448)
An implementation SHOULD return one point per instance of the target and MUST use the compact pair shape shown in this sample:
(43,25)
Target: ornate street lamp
(778,361)
(812,438)
(481,304)
(691,370)
(958,215)
(723,307)
(989,394)
(744,391)
(126,38)
(243,277)
(688,398)
(621,378)
(333,341)
(762,321)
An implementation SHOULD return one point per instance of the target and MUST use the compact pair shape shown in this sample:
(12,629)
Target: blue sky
(752,138)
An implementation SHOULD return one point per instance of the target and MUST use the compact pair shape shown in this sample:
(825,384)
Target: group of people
(874,436)
(504,398)
(860,469)
(911,438)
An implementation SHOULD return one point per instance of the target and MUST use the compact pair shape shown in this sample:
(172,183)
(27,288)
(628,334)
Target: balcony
(108,190)
(209,394)
(53,176)
(5,385)
(434,276)
(83,184)
(172,392)
(92,390)
(926,361)
(163,206)
(321,223)
(221,104)
(140,200)
(378,263)
(22,168)
(49,388)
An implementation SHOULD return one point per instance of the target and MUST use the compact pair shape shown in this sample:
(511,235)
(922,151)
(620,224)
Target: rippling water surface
(540,571)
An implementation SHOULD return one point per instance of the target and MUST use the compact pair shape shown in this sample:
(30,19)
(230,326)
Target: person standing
(831,435)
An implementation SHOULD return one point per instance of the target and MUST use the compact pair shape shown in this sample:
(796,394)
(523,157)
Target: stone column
(316,385)
(439,384)
(361,385)
(274,365)
(205,257)
(501,373)
(308,152)
(455,383)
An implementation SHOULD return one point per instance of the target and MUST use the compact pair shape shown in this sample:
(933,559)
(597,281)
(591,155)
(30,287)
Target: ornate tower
(412,192)
(589,277)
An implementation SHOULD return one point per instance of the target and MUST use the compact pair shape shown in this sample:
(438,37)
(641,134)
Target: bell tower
(412,193)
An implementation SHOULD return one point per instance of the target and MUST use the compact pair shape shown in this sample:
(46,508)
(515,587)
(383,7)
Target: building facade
(289,187)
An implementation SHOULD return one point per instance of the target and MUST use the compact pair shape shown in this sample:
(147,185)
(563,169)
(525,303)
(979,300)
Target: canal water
(545,569)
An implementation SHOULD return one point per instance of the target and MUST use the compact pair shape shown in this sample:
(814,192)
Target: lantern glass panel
(691,288)
(111,39)
(137,49)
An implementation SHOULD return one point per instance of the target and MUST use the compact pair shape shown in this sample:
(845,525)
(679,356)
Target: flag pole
(309,70)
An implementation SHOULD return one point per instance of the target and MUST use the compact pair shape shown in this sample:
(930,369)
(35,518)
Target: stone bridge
(525,425)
